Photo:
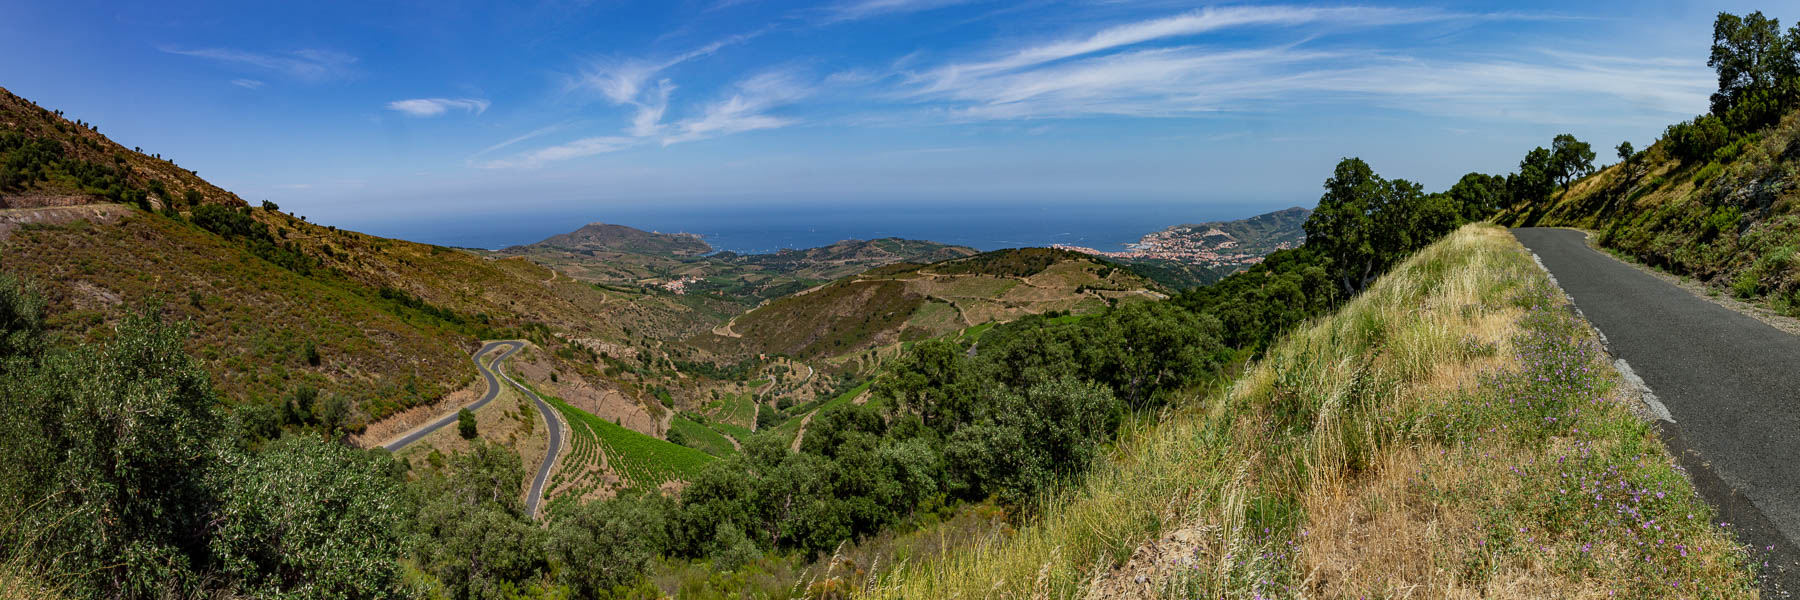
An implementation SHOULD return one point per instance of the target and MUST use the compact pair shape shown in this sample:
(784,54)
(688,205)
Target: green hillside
(908,302)
(620,256)
(1716,198)
(1262,233)
(281,308)
(47,159)
(639,462)
(1381,449)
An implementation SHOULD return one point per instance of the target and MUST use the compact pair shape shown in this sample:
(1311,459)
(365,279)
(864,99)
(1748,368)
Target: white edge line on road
(1632,379)
(1657,409)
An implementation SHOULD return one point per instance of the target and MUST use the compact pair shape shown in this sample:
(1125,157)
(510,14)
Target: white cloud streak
(539,132)
(745,110)
(575,149)
(1188,24)
(432,107)
(1157,68)
(248,84)
(856,10)
(630,83)
(308,65)
(635,84)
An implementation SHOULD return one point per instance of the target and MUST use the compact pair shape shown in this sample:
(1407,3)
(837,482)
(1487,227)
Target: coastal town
(1211,247)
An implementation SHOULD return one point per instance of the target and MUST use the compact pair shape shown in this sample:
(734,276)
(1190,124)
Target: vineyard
(701,437)
(736,409)
(737,431)
(635,461)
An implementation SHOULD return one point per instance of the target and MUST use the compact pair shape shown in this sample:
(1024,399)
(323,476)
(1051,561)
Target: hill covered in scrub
(1191,255)
(909,302)
(1258,235)
(1716,199)
(47,159)
(1425,435)
(603,237)
(629,257)
(299,324)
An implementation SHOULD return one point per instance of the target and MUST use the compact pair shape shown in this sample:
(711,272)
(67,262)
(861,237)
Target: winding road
(489,372)
(1725,388)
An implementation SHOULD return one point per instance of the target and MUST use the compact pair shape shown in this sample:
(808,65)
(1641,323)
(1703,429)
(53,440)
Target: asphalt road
(493,389)
(1728,387)
(533,499)
(488,372)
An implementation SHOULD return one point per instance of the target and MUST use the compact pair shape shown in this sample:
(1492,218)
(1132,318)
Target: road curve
(536,496)
(488,372)
(1728,386)
(493,389)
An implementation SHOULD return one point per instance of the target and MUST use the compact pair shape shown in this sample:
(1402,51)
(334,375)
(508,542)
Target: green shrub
(465,424)
(1722,219)
(1697,139)
(1745,285)
(1707,173)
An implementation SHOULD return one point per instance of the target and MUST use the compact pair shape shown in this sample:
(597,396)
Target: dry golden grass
(1355,459)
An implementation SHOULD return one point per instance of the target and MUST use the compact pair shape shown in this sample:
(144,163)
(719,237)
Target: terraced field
(701,437)
(637,461)
(737,431)
(735,409)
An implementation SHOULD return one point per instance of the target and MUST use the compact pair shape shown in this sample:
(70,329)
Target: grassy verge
(1451,432)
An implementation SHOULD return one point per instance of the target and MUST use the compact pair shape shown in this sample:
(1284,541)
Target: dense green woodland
(129,481)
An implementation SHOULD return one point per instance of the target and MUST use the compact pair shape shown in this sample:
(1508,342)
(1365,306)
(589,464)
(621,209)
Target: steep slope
(1452,429)
(261,329)
(49,160)
(1732,220)
(280,307)
(906,302)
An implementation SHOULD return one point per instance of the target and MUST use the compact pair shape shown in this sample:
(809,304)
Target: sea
(769,228)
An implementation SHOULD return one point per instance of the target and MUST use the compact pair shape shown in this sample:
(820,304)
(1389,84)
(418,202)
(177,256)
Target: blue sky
(367,113)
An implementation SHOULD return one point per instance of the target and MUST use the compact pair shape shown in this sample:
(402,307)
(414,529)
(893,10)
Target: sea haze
(747,229)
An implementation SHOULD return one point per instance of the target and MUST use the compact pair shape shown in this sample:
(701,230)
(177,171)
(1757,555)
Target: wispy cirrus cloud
(539,132)
(1170,66)
(248,84)
(1189,24)
(636,82)
(432,107)
(638,85)
(307,65)
(854,10)
(746,109)
(576,149)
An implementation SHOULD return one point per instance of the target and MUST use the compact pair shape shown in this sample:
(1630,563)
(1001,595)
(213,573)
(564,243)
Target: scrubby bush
(1697,139)
(465,424)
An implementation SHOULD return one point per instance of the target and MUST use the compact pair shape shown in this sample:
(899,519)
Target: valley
(1404,388)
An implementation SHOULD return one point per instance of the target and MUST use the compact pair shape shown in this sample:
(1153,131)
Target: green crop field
(734,430)
(641,461)
(735,409)
(702,437)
